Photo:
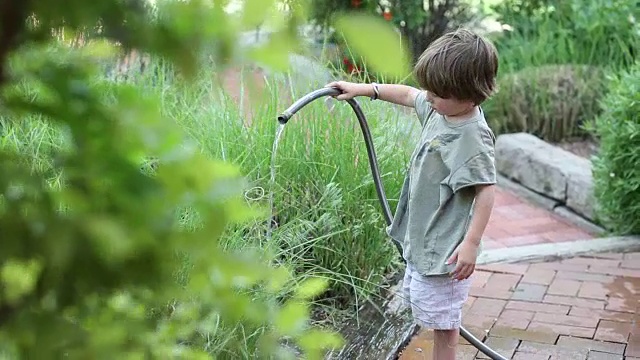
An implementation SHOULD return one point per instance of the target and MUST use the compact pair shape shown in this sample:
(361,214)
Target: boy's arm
(466,254)
(397,94)
(393,93)
(485,195)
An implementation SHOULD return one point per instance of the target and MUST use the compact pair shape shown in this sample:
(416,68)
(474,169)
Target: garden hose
(373,163)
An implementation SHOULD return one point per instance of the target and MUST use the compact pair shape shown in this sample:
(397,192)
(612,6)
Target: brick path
(579,308)
(515,222)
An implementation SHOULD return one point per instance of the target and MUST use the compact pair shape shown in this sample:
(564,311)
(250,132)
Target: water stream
(330,104)
(272,181)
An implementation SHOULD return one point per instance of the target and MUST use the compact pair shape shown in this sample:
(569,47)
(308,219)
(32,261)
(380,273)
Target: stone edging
(563,178)
(561,250)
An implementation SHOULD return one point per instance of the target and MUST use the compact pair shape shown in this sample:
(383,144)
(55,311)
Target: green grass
(599,35)
(553,45)
(330,222)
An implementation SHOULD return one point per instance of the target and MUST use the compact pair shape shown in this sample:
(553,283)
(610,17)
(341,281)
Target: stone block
(547,169)
(580,190)
(533,163)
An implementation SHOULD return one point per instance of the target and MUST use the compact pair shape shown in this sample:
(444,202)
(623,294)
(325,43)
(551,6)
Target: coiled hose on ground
(375,172)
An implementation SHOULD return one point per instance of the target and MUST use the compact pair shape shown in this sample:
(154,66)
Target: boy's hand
(350,90)
(465,257)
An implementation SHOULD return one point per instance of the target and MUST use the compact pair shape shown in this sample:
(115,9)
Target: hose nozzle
(284,117)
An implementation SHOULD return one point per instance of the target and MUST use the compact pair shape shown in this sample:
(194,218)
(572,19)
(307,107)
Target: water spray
(375,172)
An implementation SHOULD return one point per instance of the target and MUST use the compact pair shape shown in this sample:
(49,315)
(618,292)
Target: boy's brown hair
(460,65)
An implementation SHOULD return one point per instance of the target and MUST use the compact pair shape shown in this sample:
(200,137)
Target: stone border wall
(564,180)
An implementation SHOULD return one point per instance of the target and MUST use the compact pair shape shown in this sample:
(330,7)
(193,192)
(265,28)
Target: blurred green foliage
(90,242)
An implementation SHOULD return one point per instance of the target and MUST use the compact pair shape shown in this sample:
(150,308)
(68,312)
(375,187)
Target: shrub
(550,101)
(597,32)
(617,165)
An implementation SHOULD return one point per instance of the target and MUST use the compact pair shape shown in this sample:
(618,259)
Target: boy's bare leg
(445,343)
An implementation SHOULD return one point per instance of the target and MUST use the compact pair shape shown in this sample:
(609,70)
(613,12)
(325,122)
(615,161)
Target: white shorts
(435,301)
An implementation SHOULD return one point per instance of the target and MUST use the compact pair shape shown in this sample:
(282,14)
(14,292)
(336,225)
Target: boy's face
(448,107)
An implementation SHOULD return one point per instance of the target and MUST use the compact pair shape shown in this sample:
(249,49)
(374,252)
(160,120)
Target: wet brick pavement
(516,222)
(583,308)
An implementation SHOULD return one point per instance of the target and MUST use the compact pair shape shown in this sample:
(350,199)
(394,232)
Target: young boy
(448,192)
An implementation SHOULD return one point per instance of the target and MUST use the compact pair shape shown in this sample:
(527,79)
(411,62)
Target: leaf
(110,239)
(255,12)
(99,50)
(52,333)
(315,340)
(377,42)
(292,318)
(275,53)
(278,279)
(311,288)
(19,278)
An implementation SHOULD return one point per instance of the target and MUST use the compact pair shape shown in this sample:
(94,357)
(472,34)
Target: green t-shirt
(437,196)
